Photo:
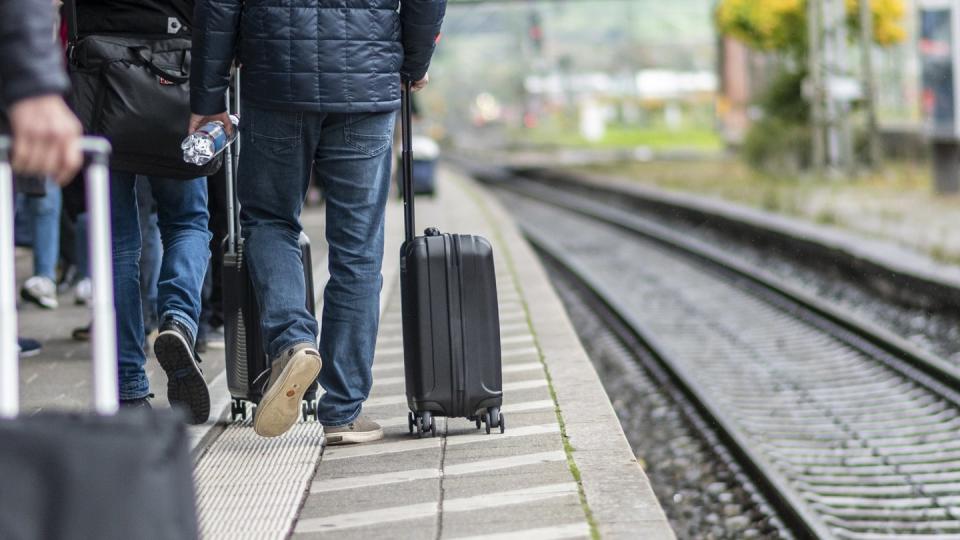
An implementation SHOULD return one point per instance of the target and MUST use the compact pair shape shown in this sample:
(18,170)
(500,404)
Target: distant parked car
(426,152)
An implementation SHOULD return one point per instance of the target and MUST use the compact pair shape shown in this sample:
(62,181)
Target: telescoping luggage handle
(406,158)
(229,168)
(105,394)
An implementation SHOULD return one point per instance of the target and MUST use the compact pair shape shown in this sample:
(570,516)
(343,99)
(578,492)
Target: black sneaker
(139,403)
(28,347)
(185,384)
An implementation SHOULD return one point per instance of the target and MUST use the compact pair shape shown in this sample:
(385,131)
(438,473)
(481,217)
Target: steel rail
(892,351)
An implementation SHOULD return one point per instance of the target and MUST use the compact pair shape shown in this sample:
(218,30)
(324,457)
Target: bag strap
(70,14)
(158,71)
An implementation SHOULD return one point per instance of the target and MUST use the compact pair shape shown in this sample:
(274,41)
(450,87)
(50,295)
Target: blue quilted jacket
(334,56)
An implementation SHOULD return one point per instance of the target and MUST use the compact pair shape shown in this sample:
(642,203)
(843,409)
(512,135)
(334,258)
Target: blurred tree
(781,25)
(782,137)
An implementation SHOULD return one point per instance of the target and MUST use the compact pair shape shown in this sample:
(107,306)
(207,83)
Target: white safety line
(389,351)
(415,511)
(484,466)
(523,338)
(400,399)
(557,532)
(387,381)
(386,366)
(519,368)
(520,352)
(410,445)
(524,406)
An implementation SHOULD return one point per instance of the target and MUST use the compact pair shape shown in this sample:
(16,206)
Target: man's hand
(421,84)
(198,120)
(46,138)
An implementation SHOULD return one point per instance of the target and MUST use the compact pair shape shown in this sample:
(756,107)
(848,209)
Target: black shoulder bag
(135,91)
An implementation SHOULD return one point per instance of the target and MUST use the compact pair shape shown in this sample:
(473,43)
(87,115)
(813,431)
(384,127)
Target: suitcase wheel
(238,410)
(308,408)
(433,426)
(493,418)
(411,420)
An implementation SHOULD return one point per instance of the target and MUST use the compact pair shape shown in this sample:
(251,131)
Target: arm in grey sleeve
(31,63)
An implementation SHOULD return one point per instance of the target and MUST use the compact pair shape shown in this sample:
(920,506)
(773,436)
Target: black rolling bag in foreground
(451,323)
(71,475)
(248,368)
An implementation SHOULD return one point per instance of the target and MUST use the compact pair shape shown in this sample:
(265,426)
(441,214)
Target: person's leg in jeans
(353,159)
(182,218)
(41,289)
(272,179)
(150,254)
(134,386)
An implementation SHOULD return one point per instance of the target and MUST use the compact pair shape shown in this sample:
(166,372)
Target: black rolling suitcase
(103,475)
(248,368)
(451,323)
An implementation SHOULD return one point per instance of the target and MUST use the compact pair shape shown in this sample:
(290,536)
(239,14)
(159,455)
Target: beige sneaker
(290,377)
(361,430)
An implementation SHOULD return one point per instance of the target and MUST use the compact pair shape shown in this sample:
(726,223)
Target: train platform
(562,468)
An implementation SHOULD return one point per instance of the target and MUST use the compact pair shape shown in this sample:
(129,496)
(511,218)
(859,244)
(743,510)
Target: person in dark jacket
(46,135)
(321,83)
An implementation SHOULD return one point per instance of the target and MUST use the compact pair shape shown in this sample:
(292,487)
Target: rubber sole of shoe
(280,407)
(189,389)
(45,303)
(337,439)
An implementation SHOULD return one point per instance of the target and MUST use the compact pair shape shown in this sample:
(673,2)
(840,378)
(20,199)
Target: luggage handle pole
(231,205)
(105,385)
(407,162)
(229,164)
(9,361)
(105,395)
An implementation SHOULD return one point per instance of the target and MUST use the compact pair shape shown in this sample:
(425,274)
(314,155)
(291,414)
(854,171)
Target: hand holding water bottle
(209,136)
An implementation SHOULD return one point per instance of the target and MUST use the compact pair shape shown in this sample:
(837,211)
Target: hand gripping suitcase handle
(105,395)
(406,160)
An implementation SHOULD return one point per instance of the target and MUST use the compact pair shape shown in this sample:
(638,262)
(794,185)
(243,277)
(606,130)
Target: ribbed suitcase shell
(451,325)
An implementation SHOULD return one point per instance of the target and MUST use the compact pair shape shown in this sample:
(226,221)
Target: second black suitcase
(451,323)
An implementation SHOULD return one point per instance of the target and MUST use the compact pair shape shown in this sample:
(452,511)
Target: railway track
(848,430)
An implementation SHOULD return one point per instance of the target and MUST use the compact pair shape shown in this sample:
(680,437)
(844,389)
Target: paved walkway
(563,469)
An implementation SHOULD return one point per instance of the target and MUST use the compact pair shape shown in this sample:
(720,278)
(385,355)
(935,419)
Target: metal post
(869,88)
(815,37)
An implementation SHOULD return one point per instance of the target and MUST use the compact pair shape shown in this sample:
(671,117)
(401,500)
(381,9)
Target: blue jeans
(42,215)
(352,152)
(182,218)
(151,254)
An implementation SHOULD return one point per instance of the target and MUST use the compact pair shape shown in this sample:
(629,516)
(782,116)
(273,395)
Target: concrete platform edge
(617,491)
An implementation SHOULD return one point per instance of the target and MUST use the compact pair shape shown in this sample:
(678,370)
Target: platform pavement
(563,469)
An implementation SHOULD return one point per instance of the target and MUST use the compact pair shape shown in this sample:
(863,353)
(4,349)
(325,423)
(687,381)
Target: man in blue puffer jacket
(321,83)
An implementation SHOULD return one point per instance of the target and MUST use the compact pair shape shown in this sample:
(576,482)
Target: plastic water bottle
(206,143)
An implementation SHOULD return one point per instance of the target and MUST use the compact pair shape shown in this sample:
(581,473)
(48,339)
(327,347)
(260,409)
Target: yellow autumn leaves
(781,25)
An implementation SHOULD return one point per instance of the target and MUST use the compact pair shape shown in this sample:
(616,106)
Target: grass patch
(900,194)
(623,137)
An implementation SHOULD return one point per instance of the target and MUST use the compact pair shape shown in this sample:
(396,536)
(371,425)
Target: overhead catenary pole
(869,86)
(815,68)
